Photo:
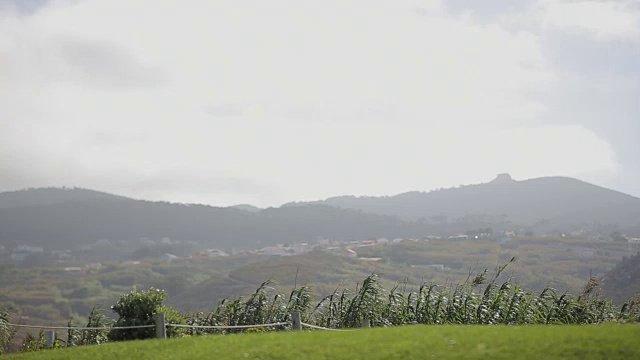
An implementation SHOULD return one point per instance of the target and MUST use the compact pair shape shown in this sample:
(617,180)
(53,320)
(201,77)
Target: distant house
(29,249)
(62,254)
(274,250)
(370,258)
(341,251)
(284,250)
(361,243)
(439,267)
(368,242)
(214,253)
(74,270)
(22,251)
(301,248)
(169,257)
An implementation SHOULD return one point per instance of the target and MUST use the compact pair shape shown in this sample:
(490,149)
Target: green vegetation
(6,333)
(138,309)
(611,341)
(50,295)
(480,300)
(96,319)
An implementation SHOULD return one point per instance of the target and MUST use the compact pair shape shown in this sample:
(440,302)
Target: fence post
(50,337)
(161,327)
(296,323)
(366,323)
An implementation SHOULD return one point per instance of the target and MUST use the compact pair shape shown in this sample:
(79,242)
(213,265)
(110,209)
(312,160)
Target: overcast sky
(265,102)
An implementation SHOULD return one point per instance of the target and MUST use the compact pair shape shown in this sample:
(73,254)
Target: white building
(214,253)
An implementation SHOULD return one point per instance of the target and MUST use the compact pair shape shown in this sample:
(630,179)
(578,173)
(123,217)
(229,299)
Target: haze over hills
(547,203)
(113,243)
(70,217)
(67,218)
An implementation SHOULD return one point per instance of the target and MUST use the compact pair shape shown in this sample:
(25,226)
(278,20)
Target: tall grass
(6,332)
(264,306)
(481,299)
(96,319)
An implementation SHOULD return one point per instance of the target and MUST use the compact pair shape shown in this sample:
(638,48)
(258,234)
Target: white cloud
(603,19)
(286,99)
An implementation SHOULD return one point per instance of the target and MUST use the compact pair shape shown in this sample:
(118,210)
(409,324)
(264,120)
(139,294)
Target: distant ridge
(70,217)
(52,196)
(247,207)
(554,201)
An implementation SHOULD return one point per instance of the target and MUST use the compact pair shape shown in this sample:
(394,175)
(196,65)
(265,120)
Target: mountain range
(57,218)
(68,218)
(548,202)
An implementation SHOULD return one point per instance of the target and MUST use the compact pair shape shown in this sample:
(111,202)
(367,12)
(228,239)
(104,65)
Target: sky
(266,102)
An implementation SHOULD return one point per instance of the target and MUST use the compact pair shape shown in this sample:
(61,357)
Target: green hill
(610,341)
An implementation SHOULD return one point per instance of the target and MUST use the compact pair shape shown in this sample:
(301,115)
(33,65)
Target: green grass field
(611,341)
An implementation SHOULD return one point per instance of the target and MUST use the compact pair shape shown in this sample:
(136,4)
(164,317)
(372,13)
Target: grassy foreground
(610,341)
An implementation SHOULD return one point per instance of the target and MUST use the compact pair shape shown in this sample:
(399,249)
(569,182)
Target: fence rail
(296,324)
(81,328)
(320,327)
(226,326)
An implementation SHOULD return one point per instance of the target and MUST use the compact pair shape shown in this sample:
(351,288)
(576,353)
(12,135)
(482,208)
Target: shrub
(139,308)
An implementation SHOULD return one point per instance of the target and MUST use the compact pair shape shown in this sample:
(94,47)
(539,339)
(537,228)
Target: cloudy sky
(265,102)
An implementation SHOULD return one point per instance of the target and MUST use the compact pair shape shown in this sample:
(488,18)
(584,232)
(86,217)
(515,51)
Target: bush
(139,308)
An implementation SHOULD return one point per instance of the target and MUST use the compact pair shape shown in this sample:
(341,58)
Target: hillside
(547,203)
(68,218)
(623,282)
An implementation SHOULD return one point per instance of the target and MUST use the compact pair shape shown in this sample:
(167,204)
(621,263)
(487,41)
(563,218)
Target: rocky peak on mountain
(504,178)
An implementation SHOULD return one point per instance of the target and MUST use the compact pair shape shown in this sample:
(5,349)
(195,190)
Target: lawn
(610,341)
